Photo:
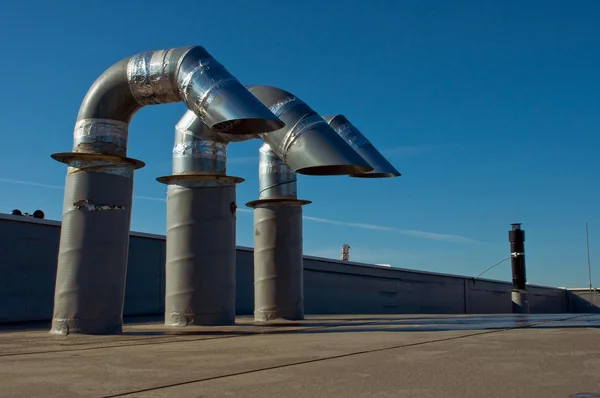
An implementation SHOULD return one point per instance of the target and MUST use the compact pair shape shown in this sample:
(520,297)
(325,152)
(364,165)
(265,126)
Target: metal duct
(382,168)
(200,258)
(306,143)
(92,259)
(188,74)
(275,178)
(278,256)
(201,254)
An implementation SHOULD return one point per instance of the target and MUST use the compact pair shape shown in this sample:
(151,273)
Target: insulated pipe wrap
(201,255)
(275,178)
(188,74)
(93,250)
(278,262)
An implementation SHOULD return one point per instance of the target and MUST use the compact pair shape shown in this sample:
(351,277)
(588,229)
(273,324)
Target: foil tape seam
(304,124)
(99,166)
(352,136)
(95,130)
(203,149)
(150,78)
(205,86)
(281,107)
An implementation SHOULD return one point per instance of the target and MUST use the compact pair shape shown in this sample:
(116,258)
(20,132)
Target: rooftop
(323,356)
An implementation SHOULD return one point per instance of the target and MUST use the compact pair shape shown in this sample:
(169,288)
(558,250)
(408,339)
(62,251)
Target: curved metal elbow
(306,144)
(187,74)
(382,168)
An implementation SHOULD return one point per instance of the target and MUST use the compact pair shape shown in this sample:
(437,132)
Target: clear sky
(490,109)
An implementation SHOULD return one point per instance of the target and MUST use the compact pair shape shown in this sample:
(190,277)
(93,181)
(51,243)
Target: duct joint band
(150,78)
(198,88)
(98,132)
(201,149)
(308,122)
(352,136)
(122,169)
(200,157)
(281,107)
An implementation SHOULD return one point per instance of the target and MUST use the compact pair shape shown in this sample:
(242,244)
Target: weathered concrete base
(520,301)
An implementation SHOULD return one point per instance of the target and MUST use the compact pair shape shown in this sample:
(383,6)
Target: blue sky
(490,109)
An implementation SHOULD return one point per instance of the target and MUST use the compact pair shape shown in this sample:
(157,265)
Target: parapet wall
(29,249)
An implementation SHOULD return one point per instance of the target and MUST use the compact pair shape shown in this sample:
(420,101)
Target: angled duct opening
(306,143)
(382,168)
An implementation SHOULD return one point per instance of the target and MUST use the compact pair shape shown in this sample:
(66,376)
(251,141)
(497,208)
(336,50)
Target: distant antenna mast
(345,252)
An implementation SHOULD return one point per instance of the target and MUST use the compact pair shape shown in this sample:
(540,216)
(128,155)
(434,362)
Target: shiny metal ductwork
(200,263)
(278,254)
(94,241)
(382,168)
(306,143)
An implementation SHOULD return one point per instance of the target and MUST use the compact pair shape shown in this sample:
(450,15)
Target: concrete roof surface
(323,356)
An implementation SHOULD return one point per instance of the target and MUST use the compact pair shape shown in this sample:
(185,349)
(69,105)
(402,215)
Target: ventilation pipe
(278,256)
(200,261)
(382,168)
(94,241)
(520,299)
(201,214)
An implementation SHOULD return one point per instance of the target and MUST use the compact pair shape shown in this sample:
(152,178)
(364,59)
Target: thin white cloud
(150,198)
(61,187)
(415,150)
(350,224)
(408,232)
(33,184)
(435,236)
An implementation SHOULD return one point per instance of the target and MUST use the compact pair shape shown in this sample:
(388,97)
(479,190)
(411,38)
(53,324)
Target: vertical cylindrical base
(278,262)
(201,254)
(520,301)
(92,259)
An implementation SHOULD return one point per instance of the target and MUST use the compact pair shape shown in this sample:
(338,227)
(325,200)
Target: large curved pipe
(187,74)
(278,254)
(382,168)
(94,241)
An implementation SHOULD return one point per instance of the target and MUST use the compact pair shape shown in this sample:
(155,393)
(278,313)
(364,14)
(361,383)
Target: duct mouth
(234,110)
(381,167)
(375,175)
(307,143)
